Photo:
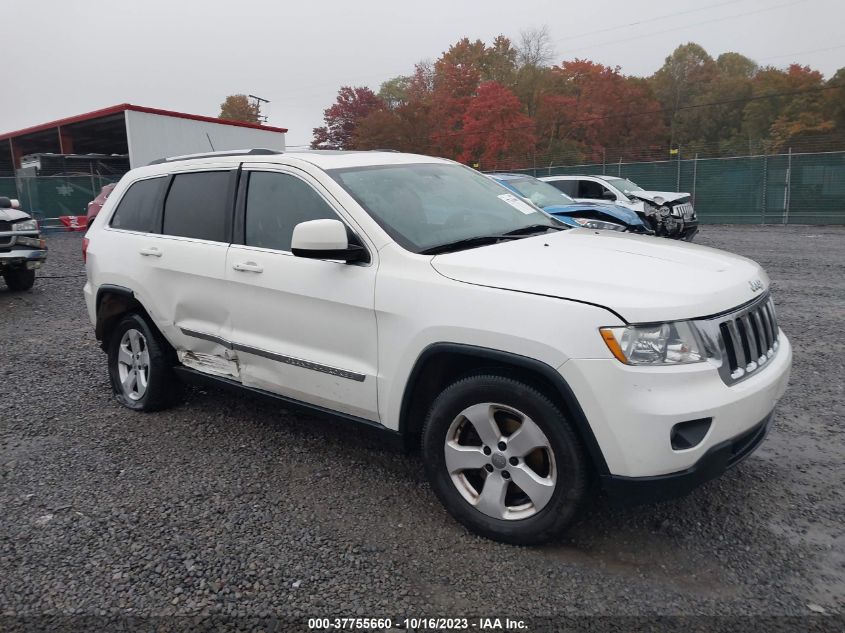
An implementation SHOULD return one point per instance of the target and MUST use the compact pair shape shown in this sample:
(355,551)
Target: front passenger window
(275,203)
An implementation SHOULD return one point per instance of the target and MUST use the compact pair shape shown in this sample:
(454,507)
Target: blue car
(591,215)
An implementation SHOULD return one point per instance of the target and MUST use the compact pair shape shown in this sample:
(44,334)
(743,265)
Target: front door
(302,328)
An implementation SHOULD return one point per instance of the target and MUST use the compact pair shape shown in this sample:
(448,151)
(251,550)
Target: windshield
(425,205)
(624,185)
(540,193)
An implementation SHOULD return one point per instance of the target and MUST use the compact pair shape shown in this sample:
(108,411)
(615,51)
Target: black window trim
(239,223)
(231,193)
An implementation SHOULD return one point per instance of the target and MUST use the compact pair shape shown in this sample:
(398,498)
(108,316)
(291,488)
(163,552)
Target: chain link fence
(791,188)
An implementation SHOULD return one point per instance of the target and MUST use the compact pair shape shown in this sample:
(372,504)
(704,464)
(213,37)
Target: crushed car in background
(668,214)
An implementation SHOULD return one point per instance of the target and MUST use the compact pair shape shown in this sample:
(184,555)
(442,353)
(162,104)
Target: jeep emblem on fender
(756,285)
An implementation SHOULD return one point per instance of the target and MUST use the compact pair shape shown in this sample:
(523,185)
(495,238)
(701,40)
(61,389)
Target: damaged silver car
(668,214)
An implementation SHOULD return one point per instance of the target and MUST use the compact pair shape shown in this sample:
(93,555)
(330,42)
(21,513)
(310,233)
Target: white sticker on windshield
(517,204)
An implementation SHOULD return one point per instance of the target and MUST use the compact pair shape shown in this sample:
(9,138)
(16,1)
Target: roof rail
(257,151)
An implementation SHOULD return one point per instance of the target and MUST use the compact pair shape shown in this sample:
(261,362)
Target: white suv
(414,295)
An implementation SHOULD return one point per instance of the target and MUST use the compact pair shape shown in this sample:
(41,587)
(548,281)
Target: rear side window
(138,209)
(198,205)
(275,203)
(569,187)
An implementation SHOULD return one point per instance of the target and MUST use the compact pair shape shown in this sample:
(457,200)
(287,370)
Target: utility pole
(258,101)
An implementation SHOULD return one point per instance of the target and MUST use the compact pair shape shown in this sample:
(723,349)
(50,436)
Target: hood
(615,211)
(13,215)
(649,196)
(641,278)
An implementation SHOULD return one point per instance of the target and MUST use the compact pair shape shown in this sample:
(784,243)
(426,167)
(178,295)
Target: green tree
(678,84)
(394,91)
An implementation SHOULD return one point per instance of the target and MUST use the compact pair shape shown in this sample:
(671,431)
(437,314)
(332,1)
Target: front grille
(747,339)
(5,225)
(685,210)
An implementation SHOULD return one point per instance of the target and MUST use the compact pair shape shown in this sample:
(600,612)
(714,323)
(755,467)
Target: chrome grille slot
(685,210)
(747,338)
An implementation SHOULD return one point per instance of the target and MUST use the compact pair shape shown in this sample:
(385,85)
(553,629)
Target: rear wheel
(503,460)
(141,366)
(21,279)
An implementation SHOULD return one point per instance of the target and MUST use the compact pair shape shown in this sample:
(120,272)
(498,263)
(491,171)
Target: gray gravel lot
(229,505)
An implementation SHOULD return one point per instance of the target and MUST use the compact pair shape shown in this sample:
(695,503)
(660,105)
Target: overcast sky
(66,57)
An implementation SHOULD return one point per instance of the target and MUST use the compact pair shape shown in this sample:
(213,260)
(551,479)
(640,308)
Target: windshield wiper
(533,228)
(469,242)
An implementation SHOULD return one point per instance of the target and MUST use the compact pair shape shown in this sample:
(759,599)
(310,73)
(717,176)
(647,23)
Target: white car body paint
(347,337)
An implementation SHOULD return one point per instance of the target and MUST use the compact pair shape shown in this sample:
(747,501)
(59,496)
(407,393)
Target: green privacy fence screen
(52,196)
(773,189)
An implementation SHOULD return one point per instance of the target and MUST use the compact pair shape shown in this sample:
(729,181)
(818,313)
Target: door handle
(248,267)
(152,251)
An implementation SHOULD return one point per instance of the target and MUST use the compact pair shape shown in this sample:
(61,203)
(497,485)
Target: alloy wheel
(500,461)
(133,364)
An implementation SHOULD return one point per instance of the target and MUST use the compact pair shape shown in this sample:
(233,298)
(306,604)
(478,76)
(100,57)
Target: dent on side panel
(225,364)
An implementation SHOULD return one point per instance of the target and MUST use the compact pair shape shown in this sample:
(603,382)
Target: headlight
(25,225)
(599,224)
(676,343)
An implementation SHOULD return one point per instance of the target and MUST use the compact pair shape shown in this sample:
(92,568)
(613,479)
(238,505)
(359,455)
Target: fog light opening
(689,434)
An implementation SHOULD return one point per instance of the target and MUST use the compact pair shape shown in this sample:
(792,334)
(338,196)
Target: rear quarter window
(138,208)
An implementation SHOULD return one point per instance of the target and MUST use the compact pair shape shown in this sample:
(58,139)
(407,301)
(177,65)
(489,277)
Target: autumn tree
(350,107)
(495,131)
(593,107)
(239,108)
(584,110)
(835,99)
(796,110)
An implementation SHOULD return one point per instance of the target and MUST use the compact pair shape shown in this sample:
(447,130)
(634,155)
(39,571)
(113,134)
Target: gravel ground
(232,506)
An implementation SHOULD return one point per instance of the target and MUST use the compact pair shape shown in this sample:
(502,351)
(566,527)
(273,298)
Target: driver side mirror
(326,239)
(608,195)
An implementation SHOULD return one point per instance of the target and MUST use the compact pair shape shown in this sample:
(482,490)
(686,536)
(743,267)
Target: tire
(555,473)
(137,346)
(20,279)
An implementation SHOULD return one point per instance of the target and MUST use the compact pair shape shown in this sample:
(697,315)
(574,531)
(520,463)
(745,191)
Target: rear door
(186,263)
(303,328)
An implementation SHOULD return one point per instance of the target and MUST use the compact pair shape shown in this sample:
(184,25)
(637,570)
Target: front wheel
(21,279)
(503,460)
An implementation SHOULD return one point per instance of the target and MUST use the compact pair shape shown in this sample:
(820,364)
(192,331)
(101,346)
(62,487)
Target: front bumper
(632,410)
(628,491)
(17,257)
(689,231)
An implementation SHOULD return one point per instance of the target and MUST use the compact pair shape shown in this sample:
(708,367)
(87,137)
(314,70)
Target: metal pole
(765,187)
(694,176)
(678,184)
(788,193)
(603,161)
(619,172)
